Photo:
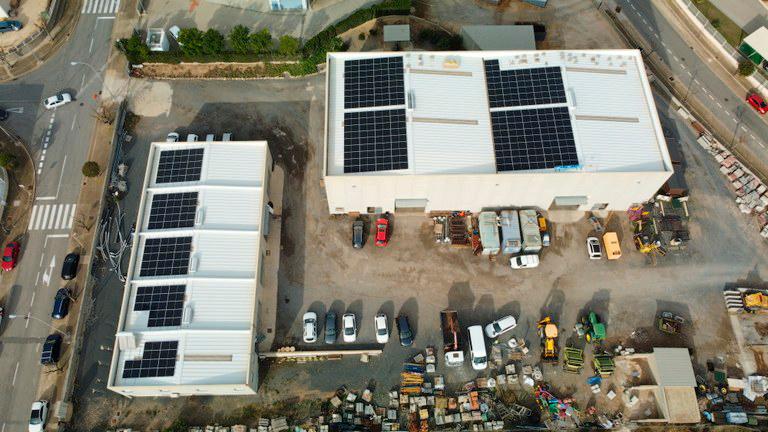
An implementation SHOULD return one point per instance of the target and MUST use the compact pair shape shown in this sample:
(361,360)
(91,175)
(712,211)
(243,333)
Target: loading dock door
(411,205)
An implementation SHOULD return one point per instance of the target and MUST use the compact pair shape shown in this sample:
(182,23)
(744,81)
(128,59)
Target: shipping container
(511,240)
(529,226)
(489,233)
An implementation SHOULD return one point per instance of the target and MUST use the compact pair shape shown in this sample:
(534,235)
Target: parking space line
(13,383)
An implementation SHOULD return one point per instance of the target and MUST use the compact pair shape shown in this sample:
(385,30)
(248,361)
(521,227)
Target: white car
(349,327)
(57,100)
(310,327)
(38,416)
(524,261)
(500,326)
(172,137)
(191,138)
(382,329)
(593,248)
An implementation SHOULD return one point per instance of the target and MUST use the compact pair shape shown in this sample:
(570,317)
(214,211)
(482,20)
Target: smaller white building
(189,314)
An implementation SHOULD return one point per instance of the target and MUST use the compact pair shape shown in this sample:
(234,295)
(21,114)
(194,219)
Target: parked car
(404,331)
(758,103)
(61,303)
(330,328)
(593,248)
(524,261)
(310,327)
(382,328)
(69,267)
(382,232)
(57,100)
(3,114)
(192,138)
(172,137)
(7,26)
(51,350)
(349,327)
(11,255)
(500,326)
(38,416)
(358,237)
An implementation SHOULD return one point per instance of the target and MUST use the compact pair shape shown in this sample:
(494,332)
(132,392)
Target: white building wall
(475,192)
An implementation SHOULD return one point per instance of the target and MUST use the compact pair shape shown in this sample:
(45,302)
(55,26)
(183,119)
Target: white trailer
(529,225)
(511,240)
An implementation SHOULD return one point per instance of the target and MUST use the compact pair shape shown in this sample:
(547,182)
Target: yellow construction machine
(548,334)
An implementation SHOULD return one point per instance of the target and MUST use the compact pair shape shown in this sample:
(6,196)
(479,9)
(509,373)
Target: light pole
(95,72)
(29,316)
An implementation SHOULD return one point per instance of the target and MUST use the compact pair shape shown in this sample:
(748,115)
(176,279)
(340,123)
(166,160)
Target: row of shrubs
(241,45)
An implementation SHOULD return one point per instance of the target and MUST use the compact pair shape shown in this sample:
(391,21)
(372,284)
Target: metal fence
(733,52)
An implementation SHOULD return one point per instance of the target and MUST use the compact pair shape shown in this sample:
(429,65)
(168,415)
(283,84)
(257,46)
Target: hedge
(175,57)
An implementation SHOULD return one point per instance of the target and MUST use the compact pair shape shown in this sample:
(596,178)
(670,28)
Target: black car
(61,304)
(69,268)
(51,350)
(404,329)
(358,237)
(3,114)
(330,328)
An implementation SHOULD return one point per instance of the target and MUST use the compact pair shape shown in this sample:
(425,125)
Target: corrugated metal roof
(397,33)
(674,367)
(499,37)
(616,127)
(215,334)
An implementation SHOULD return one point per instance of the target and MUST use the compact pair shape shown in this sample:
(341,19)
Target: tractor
(591,328)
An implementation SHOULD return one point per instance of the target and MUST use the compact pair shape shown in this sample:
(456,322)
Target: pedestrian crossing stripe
(100,7)
(52,217)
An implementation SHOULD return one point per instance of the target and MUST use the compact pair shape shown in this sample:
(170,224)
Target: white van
(477,348)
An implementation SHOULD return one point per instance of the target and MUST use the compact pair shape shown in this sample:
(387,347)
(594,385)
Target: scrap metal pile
(660,226)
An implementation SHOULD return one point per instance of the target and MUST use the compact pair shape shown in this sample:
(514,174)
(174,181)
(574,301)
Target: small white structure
(279,5)
(157,40)
(189,312)
(477,130)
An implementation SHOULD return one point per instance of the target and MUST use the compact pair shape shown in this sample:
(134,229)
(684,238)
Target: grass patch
(730,31)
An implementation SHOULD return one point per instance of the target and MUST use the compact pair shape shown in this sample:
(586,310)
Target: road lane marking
(32,217)
(52,216)
(761,145)
(13,383)
(74,119)
(42,256)
(72,216)
(44,219)
(33,300)
(37,278)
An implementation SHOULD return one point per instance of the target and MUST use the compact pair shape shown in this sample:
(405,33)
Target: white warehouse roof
(189,307)
(485,112)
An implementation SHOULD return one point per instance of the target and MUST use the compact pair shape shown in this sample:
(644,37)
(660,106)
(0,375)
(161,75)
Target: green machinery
(603,365)
(573,360)
(591,328)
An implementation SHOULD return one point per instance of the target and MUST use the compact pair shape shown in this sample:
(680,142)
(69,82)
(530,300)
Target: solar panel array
(173,210)
(164,303)
(158,360)
(182,165)
(374,82)
(168,256)
(521,87)
(530,139)
(375,141)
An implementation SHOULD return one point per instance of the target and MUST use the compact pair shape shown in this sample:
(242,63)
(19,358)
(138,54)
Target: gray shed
(498,37)
(397,33)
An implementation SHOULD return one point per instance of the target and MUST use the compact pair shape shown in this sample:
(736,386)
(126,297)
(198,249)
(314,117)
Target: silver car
(310,327)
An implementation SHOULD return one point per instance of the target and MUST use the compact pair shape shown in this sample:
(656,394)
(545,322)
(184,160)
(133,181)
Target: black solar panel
(164,303)
(520,87)
(173,210)
(532,139)
(179,165)
(167,256)
(158,360)
(373,82)
(375,141)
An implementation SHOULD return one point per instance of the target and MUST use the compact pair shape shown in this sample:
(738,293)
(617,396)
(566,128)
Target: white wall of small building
(475,192)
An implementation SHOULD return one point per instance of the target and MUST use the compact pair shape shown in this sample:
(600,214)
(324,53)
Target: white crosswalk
(100,7)
(52,217)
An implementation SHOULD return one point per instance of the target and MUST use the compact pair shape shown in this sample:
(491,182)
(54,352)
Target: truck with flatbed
(453,345)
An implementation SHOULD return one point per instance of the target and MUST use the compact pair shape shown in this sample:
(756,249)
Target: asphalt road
(58,140)
(695,70)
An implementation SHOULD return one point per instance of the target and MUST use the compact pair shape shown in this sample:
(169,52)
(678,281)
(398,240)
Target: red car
(758,103)
(10,255)
(382,232)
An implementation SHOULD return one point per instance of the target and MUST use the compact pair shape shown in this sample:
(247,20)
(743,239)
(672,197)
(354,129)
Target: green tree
(91,169)
(746,68)
(7,160)
(289,45)
(213,42)
(191,41)
(136,51)
(240,39)
(261,41)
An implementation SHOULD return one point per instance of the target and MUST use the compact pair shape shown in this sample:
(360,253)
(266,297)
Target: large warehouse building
(191,300)
(476,130)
